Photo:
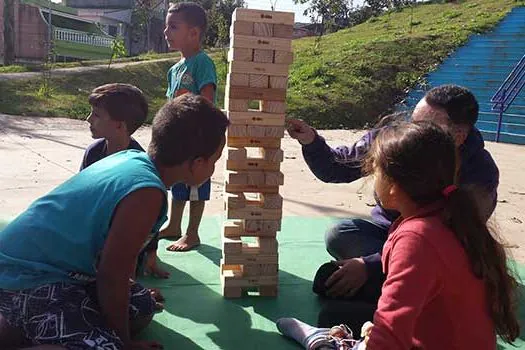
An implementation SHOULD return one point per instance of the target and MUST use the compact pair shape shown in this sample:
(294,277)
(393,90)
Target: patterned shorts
(68,315)
(183,192)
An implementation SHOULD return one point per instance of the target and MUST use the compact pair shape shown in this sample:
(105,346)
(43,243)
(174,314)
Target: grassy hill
(343,80)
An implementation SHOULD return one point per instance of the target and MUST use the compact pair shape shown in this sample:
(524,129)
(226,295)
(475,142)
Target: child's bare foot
(185,243)
(169,232)
(155,293)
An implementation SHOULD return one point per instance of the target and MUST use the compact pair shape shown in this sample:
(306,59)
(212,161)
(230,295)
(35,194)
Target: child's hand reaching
(151,268)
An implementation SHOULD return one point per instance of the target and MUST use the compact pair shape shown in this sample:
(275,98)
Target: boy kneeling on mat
(66,262)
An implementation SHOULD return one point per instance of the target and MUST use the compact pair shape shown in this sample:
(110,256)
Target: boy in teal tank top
(64,270)
(195,73)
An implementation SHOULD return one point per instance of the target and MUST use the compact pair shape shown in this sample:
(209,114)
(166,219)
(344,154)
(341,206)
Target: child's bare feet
(155,293)
(152,269)
(185,243)
(169,232)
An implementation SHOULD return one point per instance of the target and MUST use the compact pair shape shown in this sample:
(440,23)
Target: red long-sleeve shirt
(430,299)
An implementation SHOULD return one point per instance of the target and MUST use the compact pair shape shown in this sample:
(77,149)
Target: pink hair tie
(449,189)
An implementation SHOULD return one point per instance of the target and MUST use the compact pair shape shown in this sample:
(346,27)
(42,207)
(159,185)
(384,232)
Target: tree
(9,32)
(331,14)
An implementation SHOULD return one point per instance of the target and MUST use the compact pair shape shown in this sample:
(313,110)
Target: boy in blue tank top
(64,270)
(117,111)
(195,73)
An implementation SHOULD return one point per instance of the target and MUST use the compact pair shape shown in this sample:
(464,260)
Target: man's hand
(302,132)
(151,268)
(348,279)
(144,345)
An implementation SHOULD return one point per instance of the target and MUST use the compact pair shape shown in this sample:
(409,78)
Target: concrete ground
(36,154)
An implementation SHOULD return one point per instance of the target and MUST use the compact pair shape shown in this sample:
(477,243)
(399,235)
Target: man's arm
(339,165)
(129,229)
(336,165)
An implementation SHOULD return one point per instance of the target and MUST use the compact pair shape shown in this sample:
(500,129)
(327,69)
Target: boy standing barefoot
(195,73)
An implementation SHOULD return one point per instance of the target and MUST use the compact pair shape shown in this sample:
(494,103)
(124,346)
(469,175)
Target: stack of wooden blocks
(259,58)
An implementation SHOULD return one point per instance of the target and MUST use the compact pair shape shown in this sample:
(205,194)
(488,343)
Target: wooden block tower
(259,58)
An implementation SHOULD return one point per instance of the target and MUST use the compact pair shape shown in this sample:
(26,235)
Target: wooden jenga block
(263,29)
(256,131)
(261,16)
(273,178)
(274,131)
(258,81)
(237,131)
(243,28)
(284,31)
(232,259)
(236,228)
(237,153)
(263,56)
(235,200)
(253,142)
(236,105)
(240,54)
(278,82)
(273,107)
(232,292)
(234,279)
(283,57)
(271,201)
(259,68)
(268,291)
(256,178)
(259,42)
(257,226)
(235,188)
(252,164)
(237,178)
(253,93)
(266,246)
(235,246)
(231,246)
(249,270)
(256,118)
(271,154)
(235,79)
(233,228)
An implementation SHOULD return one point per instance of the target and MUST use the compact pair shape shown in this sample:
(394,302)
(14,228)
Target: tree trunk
(9,32)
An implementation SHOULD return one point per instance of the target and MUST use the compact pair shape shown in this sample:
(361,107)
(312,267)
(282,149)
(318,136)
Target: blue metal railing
(508,91)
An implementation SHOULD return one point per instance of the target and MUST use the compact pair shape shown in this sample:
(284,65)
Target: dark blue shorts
(68,315)
(183,192)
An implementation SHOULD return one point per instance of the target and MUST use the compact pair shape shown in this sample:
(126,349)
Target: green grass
(70,49)
(351,77)
(14,69)
(345,80)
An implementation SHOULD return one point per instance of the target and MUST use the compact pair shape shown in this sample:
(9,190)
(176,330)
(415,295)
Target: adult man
(357,243)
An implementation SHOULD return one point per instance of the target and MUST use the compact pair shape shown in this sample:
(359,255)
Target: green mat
(196,316)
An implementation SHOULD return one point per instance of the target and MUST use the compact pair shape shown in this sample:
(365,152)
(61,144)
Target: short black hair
(123,102)
(193,14)
(459,103)
(186,128)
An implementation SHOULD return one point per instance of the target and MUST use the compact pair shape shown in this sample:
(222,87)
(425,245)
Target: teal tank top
(60,236)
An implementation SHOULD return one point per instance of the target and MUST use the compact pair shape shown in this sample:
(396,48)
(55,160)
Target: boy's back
(59,237)
(99,150)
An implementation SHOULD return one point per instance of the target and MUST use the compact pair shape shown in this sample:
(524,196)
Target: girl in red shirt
(447,281)
(448,285)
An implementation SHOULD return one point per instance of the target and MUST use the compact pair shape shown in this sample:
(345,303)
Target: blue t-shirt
(60,236)
(191,74)
(99,150)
